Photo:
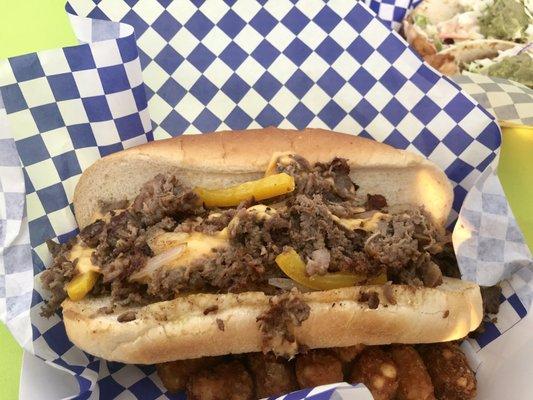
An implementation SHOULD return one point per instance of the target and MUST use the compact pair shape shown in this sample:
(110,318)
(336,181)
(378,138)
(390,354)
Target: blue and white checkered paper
(205,66)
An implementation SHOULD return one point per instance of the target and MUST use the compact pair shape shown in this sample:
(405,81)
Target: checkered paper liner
(209,66)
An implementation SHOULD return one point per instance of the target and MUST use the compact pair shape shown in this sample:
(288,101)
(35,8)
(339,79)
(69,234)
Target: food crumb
(127,316)
(371,298)
(210,309)
(220,324)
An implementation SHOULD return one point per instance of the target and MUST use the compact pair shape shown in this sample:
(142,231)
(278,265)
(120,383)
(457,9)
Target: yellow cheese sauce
(366,224)
(197,245)
(284,158)
(83,254)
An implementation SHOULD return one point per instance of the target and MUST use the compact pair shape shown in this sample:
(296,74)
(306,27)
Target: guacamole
(505,20)
(517,68)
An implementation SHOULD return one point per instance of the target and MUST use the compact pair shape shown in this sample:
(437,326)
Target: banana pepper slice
(81,285)
(264,188)
(294,267)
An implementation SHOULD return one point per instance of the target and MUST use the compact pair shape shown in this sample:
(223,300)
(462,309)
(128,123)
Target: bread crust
(178,329)
(226,158)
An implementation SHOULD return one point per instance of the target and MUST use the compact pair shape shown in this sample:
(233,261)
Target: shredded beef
(53,247)
(375,202)
(165,196)
(231,270)
(276,323)
(397,247)
(55,278)
(216,221)
(431,274)
(331,180)
(447,261)
(91,233)
(490,295)
(491,298)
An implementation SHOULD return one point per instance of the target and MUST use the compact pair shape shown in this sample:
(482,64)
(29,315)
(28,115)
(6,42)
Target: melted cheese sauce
(278,157)
(197,245)
(83,254)
(367,224)
(262,211)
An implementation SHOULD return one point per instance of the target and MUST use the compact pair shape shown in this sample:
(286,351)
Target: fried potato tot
(414,382)
(318,367)
(226,381)
(273,376)
(450,373)
(377,371)
(175,375)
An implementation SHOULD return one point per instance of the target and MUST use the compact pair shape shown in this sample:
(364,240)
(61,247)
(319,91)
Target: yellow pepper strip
(264,188)
(294,267)
(81,285)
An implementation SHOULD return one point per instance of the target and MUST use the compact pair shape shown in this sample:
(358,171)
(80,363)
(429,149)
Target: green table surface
(33,25)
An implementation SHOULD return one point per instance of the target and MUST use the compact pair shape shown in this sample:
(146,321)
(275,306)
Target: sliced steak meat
(375,202)
(165,196)
(90,235)
(491,298)
(215,221)
(331,180)
(54,280)
(276,323)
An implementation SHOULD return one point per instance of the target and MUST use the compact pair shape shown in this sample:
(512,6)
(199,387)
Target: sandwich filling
(303,226)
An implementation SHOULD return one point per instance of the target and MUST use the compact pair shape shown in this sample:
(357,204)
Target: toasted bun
(226,158)
(178,329)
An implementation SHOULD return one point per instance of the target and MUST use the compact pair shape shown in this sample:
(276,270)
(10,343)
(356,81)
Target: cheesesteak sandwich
(265,240)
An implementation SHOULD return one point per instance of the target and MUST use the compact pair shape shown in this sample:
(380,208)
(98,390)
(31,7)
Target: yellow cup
(516,174)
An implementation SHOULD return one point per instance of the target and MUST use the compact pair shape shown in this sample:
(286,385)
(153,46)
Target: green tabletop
(26,26)
(32,25)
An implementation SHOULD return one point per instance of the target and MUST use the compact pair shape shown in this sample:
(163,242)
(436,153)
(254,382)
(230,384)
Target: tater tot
(450,373)
(377,371)
(226,381)
(318,367)
(174,375)
(414,382)
(348,354)
(272,375)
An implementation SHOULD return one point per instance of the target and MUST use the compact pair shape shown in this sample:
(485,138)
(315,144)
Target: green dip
(517,68)
(505,20)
